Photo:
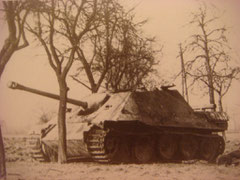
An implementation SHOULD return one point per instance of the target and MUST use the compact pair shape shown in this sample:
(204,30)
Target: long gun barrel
(14,85)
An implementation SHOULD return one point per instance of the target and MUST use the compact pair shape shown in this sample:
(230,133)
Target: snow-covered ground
(21,167)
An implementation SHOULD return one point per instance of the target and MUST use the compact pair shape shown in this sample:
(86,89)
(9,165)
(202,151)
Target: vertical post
(184,79)
(2,157)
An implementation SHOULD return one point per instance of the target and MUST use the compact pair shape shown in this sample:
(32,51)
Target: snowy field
(21,167)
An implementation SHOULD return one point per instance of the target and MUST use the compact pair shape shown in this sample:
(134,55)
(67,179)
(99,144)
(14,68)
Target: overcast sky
(167,18)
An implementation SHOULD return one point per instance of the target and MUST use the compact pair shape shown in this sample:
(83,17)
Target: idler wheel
(209,149)
(167,147)
(143,150)
(189,147)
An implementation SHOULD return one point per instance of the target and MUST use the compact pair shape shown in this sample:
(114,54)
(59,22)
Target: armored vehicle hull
(150,126)
(137,127)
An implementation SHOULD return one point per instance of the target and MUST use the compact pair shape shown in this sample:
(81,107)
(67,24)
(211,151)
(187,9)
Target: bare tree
(15,14)
(55,28)
(120,56)
(75,37)
(222,82)
(211,58)
(133,60)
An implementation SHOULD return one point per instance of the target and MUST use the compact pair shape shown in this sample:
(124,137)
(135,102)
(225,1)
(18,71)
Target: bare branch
(80,82)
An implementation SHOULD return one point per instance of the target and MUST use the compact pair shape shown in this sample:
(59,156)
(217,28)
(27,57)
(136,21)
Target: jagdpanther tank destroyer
(138,126)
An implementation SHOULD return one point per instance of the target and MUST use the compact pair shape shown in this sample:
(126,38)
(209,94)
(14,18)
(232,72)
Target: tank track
(34,146)
(39,151)
(219,145)
(97,146)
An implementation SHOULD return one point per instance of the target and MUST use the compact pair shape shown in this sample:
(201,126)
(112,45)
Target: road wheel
(167,147)
(189,147)
(143,150)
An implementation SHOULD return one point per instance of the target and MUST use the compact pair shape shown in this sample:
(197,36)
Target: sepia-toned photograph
(119,89)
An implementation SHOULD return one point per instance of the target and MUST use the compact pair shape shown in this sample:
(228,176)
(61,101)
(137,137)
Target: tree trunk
(62,145)
(11,44)
(2,157)
(210,80)
(184,79)
(210,77)
(208,68)
(211,91)
(220,107)
(6,53)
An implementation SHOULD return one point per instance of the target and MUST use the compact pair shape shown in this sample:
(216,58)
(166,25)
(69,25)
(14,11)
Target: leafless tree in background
(223,81)
(211,64)
(15,15)
(133,60)
(120,56)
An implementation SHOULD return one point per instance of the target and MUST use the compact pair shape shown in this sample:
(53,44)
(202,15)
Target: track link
(221,146)
(96,145)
